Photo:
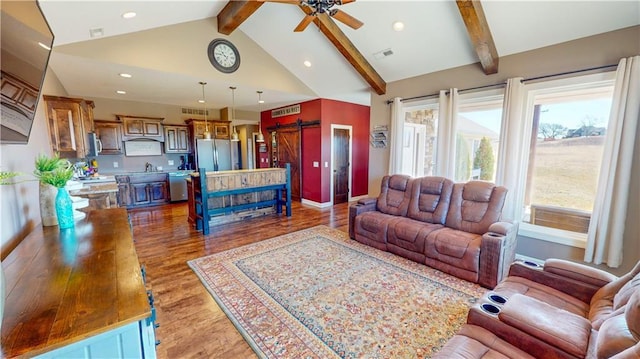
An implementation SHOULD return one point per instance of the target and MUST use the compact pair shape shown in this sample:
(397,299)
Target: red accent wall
(316,145)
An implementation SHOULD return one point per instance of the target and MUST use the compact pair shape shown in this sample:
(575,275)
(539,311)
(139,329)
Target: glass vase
(64,209)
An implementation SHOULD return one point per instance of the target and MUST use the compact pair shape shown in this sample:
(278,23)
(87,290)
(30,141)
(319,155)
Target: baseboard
(316,204)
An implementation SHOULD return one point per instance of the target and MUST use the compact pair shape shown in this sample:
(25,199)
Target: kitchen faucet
(148,167)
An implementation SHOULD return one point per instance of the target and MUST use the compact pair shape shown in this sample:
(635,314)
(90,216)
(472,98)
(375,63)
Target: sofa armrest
(573,285)
(579,272)
(363,205)
(497,252)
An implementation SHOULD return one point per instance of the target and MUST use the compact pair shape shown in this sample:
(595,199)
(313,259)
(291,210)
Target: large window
(478,136)
(568,129)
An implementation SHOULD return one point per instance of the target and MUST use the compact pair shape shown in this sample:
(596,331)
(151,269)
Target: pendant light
(234,134)
(206,134)
(260,136)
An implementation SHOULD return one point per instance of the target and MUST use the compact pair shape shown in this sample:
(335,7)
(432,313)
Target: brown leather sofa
(559,310)
(453,227)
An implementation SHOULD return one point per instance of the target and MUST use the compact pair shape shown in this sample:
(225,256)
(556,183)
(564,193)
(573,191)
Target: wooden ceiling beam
(479,33)
(329,28)
(235,13)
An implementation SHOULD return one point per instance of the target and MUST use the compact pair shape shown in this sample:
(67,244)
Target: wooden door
(289,152)
(340,165)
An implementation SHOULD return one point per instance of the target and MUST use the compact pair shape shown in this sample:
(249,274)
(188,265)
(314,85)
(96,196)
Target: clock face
(223,55)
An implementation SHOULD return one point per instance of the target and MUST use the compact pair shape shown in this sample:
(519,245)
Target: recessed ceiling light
(129,15)
(307,63)
(120,92)
(125,75)
(398,26)
(44,46)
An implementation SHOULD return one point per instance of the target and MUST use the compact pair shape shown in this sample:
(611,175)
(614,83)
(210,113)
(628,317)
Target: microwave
(94,145)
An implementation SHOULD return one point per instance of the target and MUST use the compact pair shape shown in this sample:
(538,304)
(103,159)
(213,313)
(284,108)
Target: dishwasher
(178,185)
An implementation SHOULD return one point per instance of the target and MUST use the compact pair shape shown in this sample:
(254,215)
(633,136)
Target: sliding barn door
(289,152)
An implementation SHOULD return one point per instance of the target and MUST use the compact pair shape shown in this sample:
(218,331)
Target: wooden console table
(77,293)
(227,196)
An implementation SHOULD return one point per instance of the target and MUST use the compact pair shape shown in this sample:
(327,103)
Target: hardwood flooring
(192,325)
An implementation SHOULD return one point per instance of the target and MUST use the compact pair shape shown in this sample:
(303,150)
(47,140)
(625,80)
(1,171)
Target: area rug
(317,294)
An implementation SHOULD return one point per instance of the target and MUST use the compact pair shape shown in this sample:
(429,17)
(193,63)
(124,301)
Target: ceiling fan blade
(304,23)
(346,19)
(346,1)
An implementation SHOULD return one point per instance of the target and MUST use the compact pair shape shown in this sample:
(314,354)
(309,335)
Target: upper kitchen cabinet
(176,139)
(70,120)
(142,127)
(219,129)
(110,135)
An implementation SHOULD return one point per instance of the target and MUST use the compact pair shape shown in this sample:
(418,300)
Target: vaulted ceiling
(164,46)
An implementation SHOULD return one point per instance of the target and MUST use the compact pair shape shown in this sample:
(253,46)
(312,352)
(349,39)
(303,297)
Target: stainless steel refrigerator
(214,155)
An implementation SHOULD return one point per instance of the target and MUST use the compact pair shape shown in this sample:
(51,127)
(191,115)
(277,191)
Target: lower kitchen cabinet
(143,189)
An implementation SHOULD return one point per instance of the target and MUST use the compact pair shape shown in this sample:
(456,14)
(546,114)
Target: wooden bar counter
(73,291)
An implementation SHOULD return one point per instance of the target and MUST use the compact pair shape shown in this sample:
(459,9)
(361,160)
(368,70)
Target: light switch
(115,165)
(326,165)
(170,162)
(316,164)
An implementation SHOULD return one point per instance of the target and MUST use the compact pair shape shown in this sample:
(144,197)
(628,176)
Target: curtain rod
(504,83)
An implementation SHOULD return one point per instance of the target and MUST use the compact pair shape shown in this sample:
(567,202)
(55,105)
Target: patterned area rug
(317,294)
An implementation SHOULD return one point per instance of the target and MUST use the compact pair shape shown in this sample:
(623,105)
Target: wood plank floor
(191,323)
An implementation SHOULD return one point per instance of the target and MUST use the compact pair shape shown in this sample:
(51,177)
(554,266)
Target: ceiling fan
(322,7)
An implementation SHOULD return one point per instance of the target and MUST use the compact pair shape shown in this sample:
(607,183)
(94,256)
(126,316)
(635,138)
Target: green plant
(53,170)
(484,159)
(6,177)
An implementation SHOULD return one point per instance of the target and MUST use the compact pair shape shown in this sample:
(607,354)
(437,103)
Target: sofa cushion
(621,331)
(395,194)
(561,329)
(457,248)
(474,342)
(517,285)
(613,296)
(410,234)
(371,228)
(475,205)
(430,198)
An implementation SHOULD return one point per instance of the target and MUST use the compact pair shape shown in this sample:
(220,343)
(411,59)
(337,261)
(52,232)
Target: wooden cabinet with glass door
(70,120)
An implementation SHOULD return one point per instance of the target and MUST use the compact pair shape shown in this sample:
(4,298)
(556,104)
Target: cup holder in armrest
(497,298)
(531,264)
(490,308)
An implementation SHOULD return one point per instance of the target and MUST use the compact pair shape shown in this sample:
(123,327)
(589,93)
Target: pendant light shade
(234,134)
(260,136)
(206,134)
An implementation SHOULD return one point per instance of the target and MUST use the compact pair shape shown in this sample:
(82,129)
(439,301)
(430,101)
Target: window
(478,136)
(567,128)
(420,138)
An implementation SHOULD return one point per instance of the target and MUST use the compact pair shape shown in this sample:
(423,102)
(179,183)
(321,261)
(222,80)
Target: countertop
(95,188)
(65,286)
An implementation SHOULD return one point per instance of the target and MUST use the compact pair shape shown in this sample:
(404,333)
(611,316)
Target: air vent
(382,54)
(194,111)
(96,32)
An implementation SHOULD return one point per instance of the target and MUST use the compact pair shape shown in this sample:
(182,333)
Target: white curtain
(510,149)
(447,123)
(396,136)
(606,229)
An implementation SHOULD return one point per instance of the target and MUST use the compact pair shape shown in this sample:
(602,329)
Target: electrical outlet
(159,168)
(115,165)
(170,162)
(316,164)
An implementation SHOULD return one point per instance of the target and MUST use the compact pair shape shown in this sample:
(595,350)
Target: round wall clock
(223,55)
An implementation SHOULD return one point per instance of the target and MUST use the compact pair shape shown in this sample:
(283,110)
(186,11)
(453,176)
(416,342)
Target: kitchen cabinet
(110,136)
(176,139)
(70,120)
(141,127)
(143,189)
(219,129)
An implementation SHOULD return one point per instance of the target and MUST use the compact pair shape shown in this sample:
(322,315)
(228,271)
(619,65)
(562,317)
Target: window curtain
(510,152)
(606,229)
(396,136)
(447,123)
